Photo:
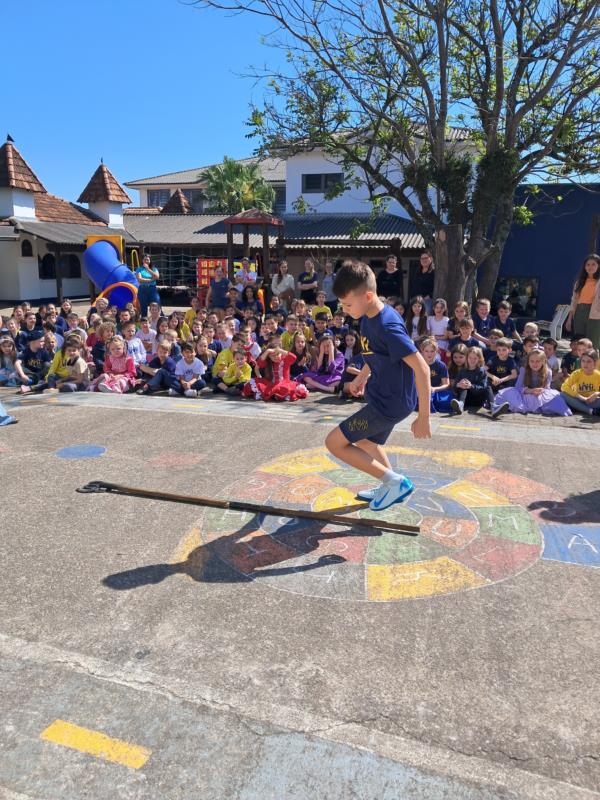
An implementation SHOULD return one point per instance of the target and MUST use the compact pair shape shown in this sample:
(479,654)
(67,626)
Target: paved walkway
(158,650)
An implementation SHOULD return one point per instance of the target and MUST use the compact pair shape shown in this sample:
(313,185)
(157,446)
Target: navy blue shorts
(369,424)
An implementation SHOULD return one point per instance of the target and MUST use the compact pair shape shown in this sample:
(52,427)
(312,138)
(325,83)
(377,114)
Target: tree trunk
(502,226)
(450,264)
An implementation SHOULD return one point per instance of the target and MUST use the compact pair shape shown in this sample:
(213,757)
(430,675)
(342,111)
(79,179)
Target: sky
(151,86)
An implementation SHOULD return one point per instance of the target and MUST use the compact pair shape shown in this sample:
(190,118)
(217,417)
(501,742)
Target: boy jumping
(392,368)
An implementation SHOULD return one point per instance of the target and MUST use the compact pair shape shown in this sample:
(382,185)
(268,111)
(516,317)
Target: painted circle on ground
(81,451)
(476,529)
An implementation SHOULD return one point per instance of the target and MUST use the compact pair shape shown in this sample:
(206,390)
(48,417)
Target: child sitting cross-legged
(236,375)
(34,361)
(300,349)
(532,393)
(188,373)
(501,367)
(68,371)
(160,371)
(581,390)
(472,387)
(441,394)
(272,379)
(118,375)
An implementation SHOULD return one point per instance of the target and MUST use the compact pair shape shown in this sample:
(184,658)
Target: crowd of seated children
(241,351)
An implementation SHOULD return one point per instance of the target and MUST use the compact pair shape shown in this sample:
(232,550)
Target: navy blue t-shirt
(501,368)
(167,364)
(508,328)
(385,343)
(483,326)
(470,342)
(36,362)
(438,370)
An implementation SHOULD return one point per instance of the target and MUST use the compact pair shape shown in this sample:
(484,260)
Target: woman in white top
(437,324)
(283,285)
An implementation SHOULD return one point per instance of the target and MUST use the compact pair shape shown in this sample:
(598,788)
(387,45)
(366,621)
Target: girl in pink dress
(119,369)
(272,381)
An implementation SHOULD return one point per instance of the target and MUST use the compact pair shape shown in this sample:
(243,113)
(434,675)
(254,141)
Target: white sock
(389,476)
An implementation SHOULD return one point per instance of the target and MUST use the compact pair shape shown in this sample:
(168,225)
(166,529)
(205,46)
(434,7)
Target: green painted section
(508,522)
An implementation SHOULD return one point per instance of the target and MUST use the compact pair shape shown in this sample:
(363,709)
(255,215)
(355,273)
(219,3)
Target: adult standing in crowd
(147,275)
(283,285)
(422,282)
(327,286)
(389,279)
(217,297)
(308,283)
(584,316)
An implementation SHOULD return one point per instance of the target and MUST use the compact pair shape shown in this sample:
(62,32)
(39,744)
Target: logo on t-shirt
(366,347)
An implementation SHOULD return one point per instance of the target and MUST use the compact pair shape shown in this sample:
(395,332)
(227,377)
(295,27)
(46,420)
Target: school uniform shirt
(341,331)
(438,371)
(320,310)
(508,328)
(23,338)
(286,340)
(231,378)
(168,364)
(569,362)
(470,342)
(223,359)
(578,383)
(477,377)
(499,368)
(37,362)
(483,326)
(385,342)
(146,338)
(136,350)
(189,372)
(390,284)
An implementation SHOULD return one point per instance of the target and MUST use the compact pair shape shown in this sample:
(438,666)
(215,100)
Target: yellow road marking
(461,427)
(423,579)
(96,744)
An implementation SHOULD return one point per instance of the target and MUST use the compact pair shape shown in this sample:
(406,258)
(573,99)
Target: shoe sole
(455,407)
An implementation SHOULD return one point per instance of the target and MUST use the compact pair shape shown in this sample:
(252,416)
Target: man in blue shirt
(392,379)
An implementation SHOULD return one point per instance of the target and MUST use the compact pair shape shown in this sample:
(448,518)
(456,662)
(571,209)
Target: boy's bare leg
(375,451)
(356,456)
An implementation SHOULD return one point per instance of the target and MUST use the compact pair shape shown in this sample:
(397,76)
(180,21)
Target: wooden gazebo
(253,216)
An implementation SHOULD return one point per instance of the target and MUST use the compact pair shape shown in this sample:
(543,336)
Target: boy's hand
(421,427)
(356,387)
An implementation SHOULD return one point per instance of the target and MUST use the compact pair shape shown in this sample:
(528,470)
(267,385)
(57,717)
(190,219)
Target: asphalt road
(157,650)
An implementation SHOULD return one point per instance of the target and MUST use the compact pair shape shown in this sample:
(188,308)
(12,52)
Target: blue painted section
(554,246)
(81,451)
(572,544)
(429,504)
(428,481)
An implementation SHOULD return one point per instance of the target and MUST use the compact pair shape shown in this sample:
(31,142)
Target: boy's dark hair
(505,305)
(292,317)
(236,338)
(532,339)
(50,327)
(467,322)
(482,301)
(144,319)
(186,347)
(127,324)
(270,316)
(496,332)
(551,341)
(73,315)
(322,316)
(504,342)
(354,276)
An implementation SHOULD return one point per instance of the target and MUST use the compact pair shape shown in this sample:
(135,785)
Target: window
(70,267)
(280,198)
(26,249)
(158,197)
(319,182)
(195,198)
(47,267)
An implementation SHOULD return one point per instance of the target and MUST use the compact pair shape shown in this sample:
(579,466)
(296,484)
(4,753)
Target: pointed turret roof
(177,204)
(103,186)
(15,172)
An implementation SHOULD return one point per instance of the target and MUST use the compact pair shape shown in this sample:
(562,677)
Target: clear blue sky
(150,85)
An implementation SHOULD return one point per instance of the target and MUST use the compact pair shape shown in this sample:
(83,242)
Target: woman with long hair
(584,316)
(422,281)
(283,285)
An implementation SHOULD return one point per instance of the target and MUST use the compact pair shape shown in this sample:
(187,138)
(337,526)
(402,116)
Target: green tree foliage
(233,186)
(442,105)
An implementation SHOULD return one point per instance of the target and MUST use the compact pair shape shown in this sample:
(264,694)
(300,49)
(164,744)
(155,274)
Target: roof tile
(177,204)
(15,172)
(103,186)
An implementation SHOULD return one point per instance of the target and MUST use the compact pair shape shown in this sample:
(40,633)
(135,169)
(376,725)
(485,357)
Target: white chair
(555,325)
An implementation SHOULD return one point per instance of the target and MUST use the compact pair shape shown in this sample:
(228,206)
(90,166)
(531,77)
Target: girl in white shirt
(437,324)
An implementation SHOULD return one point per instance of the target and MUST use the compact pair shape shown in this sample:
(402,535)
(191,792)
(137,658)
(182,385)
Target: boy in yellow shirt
(581,390)
(236,375)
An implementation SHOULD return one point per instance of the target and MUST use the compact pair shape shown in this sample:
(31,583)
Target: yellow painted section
(96,744)
(453,458)
(421,579)
(303,462)
(337,497)
(462,427)
(190,542)
(472,495)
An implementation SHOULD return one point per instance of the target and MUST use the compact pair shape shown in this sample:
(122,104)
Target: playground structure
(103,261)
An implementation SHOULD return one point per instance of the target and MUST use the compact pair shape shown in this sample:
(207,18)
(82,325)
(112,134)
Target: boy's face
(124,315)
(574,346)
(549,350)
(338,321)
(321,299)
(483,310)
(429,353)
(465,331)
(528,346)
(106,335)
(146,326)
(30,321)
(128,332)
(36,345)
(154,308)
(162,352)
(459,312)
(502,352)
(320,324)
(503,313)
(529,329)
(12,326)
(188,356)
(291,325)
(493,339)
(587,364)
(356,303)
(239,358)
(275,303)
(581,348)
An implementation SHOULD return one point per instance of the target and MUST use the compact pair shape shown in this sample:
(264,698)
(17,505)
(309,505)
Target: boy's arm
(356,386)
(421,426)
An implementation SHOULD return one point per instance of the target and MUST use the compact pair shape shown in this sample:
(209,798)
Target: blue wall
(554,246)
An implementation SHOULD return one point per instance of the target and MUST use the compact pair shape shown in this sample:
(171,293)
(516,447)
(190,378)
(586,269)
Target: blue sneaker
(389,493)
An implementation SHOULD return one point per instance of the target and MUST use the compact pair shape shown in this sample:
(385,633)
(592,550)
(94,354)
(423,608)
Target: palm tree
(232,187)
